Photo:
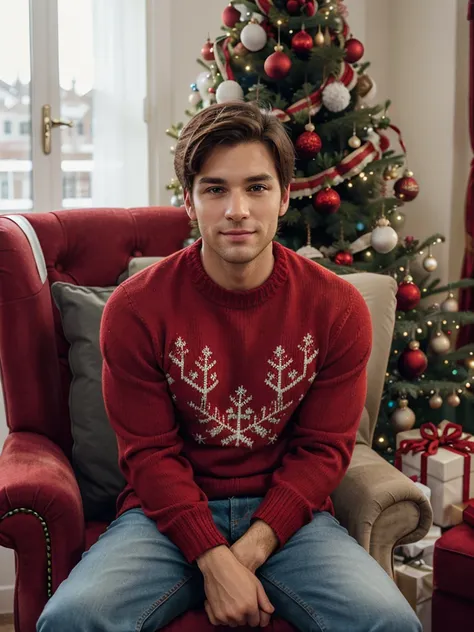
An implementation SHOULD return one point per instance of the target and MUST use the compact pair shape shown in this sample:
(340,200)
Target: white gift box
(445,476)
(425,547)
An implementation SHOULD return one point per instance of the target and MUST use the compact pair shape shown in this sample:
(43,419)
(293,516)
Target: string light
(248,68)
(405,333)
(429,323)
(350,185)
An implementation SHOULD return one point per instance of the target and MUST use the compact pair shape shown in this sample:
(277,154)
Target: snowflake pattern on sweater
(239,424)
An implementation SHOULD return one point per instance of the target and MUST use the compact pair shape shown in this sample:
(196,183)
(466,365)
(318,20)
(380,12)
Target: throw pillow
(95,454)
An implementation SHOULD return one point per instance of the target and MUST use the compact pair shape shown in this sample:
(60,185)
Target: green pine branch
(425,387)
(462,284)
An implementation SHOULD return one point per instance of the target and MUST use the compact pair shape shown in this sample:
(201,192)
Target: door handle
(48,124)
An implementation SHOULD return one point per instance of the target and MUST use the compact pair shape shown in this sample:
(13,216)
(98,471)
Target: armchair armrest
(380,507)
(41,518)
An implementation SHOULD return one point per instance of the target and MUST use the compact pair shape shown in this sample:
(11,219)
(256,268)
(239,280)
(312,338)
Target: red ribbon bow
(429,443)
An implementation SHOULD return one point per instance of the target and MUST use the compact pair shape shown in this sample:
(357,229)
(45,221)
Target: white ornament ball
(440,343)
(384,239)
(430,264)
(229,91)
(204,81)
(403,418)
(450,304)
(453,400)
(194,99)
(336,97)
(435,402)
(253,37)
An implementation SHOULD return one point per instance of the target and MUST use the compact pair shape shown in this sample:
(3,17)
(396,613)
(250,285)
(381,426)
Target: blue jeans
(134,579)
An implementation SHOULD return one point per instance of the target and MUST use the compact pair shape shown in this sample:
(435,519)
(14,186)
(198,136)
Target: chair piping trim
(49,566)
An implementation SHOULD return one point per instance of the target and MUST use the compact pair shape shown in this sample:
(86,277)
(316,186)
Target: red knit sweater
(216,393)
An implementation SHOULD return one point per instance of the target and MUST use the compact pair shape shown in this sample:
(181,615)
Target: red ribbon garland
(429,443)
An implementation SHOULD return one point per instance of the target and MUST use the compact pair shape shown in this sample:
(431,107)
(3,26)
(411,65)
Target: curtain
(120,174)
(466,299)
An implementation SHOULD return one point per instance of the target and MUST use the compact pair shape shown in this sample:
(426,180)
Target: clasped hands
(235,596)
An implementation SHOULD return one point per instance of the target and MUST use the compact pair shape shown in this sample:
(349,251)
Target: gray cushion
(94,455)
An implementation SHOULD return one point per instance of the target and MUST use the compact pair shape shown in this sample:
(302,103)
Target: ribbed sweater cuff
(195,532)
(285,511)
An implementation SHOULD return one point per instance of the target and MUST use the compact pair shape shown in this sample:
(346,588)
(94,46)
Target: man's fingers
(264,619)
(210,614)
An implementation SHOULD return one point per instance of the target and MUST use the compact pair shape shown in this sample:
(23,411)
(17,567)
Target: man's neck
(234,276)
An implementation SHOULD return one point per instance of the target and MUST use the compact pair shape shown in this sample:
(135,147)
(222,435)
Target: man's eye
(214,190)
(258,188)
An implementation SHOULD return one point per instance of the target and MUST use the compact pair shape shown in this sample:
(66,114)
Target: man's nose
(238,208)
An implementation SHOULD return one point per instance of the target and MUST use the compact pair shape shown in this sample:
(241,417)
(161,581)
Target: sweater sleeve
(141,413)
(325,428)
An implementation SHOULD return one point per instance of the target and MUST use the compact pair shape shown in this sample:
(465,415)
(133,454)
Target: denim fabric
(135,579)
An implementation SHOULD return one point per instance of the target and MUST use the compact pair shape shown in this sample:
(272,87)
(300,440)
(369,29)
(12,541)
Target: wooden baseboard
(6,618)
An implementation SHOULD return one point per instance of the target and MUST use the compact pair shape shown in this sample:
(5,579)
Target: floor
(6,623)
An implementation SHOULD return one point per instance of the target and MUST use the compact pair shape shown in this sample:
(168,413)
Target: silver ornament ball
(177,200)
(450,304)
(440,343)
(429,263)
(435,402)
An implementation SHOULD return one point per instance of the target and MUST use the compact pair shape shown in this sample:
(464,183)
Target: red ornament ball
(230,16)
(293,7)
(308,145)
(413,362)
(344,258)
(354,50)
(207,51)
(310,8)
(327,201)
(278,65)
(408,296)
(302,42)
(406,188)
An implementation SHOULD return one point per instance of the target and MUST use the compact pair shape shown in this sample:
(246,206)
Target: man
(234,377)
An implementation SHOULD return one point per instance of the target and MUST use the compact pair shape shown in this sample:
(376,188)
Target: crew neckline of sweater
(238,299)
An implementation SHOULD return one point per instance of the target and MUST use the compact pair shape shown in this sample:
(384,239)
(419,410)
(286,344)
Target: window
(69,185)
(25,128)
(4,186)
(7,127)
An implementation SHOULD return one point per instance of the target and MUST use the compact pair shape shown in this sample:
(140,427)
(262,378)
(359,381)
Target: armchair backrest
(93,247)
(86,247)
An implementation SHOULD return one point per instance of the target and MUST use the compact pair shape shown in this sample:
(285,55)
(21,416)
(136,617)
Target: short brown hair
(231,124)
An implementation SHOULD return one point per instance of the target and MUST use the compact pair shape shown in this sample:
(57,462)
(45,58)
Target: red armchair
(41,515)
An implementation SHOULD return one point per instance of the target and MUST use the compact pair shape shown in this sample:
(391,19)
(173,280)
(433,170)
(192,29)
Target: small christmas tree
(299,59)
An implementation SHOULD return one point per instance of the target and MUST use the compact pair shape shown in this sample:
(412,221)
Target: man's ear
(188,204)
(285,201)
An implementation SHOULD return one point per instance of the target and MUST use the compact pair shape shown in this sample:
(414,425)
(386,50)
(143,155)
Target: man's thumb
(263,601)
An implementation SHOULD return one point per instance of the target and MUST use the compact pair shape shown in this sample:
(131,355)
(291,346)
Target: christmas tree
(299,59)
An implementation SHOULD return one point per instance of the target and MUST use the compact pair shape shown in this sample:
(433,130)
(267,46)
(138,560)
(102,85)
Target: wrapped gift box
(463,512)
(415,582)
(423,548)
(445,475)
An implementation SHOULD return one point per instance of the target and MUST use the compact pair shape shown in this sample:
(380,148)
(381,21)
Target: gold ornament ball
(355,142)
(403,418)
(453,400)
(430,264)
(414,345)
(381,442)
(397,219)
(319,39)
(435,402)
(469,362)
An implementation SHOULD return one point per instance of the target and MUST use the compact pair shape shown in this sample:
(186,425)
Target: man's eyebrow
(261,177)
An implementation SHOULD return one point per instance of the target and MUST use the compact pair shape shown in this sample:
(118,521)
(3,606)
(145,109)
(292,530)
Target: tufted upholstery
(41,514)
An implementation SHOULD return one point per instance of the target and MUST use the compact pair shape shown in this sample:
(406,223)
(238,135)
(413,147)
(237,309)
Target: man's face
(237,201)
